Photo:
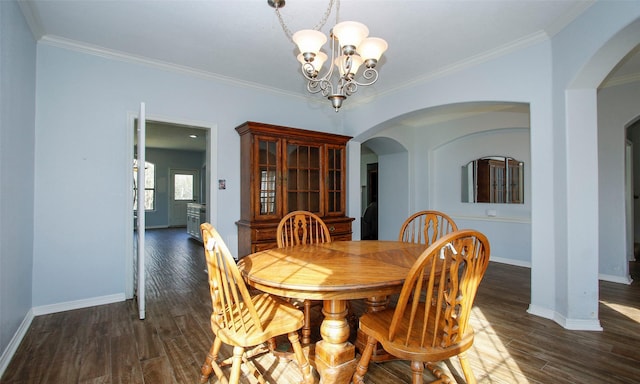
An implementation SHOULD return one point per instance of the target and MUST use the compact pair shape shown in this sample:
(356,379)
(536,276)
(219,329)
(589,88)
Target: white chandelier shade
(372,48)
(350,33)
(319,59)
(309,40)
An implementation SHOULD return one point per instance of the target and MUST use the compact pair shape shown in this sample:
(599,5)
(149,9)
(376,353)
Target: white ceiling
(174,136)
(242,41)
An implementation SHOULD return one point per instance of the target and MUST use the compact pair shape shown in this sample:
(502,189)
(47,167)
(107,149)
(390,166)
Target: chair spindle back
(233,309)
(425,227)
(301,227)
(435,303)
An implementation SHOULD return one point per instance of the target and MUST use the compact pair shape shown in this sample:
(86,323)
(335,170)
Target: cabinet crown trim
(291,133)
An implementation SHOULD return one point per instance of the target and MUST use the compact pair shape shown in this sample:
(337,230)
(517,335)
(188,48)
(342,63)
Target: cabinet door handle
(332,228)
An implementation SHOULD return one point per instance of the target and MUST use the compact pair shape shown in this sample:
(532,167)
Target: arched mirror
(493,179)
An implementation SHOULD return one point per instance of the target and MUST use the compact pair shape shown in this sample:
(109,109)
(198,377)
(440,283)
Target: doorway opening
(174,141)
(369,230)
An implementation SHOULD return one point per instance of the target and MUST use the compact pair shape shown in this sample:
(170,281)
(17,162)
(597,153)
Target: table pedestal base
(335,356)
(335,363)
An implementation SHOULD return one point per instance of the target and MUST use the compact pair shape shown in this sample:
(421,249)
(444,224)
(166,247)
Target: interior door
(185,184)
(140,195)
(629,199)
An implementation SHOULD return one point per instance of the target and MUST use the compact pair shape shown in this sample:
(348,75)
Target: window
(149,185)
(183,187)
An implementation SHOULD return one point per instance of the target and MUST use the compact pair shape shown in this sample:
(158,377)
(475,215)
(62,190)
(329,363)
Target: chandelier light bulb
(350,34)
(372,48)
(309,40)
(318,60)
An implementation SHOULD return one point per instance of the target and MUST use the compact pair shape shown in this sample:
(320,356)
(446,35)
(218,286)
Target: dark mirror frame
(493,179)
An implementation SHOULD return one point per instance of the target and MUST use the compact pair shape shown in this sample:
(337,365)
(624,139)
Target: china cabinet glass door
(335,188)
(303,177)
(267,173)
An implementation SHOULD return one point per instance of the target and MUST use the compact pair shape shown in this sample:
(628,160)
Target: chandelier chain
(318,26)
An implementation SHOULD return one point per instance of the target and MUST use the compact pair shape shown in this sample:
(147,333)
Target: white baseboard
(604,277)
(77,304)
(12,347)
(570,324)
(517,263)
(579,324)
(616,279)
(541,312)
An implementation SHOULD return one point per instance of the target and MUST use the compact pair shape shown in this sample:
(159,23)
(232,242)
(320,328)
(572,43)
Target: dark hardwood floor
(108,344)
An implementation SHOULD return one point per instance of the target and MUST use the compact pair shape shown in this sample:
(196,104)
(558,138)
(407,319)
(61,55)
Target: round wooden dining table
(333,272)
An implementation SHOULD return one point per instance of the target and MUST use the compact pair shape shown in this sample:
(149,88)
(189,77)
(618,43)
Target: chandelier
(351,50)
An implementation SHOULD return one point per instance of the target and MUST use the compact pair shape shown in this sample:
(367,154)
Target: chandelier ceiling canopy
(350,49)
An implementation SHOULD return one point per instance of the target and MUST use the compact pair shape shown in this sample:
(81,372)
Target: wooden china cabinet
(499,180)
(286,169)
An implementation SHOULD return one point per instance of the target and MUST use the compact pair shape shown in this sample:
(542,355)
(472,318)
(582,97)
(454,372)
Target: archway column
(564,275)
(577,303)
(354,198)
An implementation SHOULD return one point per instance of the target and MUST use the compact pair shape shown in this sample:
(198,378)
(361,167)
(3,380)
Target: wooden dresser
(285,169)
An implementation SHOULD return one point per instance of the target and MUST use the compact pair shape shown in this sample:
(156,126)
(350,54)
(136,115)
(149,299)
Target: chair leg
(439,374)
(466,368)
(235,367)
(363,363)
(207,366)
(306,327)
(272,344)
(417,367)
(307,375)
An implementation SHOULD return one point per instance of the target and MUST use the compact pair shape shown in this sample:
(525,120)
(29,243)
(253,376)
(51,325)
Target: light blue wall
(520,77)
(436,154)
(84,137)
(565,242)
(510,230)
(617,108)
(584,54)
(393,193)
(17,126)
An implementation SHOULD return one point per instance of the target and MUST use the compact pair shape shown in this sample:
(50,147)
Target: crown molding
(473,61)
(74,45)
(620,80)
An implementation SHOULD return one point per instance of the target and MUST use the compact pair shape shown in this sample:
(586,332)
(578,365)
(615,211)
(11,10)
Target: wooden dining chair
(425,227)
(430,322)
(241,320)
(303,227)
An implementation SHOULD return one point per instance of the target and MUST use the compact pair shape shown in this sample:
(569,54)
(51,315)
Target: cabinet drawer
(264,234)
(341,238)
(339,228)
